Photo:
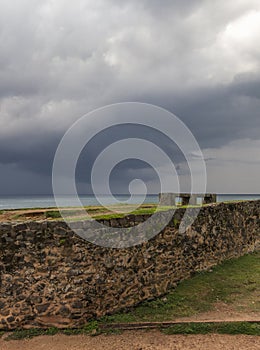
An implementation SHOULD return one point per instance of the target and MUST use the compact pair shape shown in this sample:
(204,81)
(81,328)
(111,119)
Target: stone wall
(51,277)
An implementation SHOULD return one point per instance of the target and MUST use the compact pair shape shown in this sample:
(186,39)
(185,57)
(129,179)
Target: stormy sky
(199,59)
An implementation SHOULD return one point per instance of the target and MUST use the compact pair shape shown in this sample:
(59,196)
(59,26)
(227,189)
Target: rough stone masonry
(49,276)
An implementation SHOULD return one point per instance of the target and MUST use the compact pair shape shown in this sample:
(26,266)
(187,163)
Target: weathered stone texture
(51,277)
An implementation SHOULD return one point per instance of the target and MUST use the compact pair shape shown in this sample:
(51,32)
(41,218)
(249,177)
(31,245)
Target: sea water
(20,202)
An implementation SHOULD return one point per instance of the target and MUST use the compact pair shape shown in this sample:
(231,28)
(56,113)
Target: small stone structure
(49,276)
(169,199)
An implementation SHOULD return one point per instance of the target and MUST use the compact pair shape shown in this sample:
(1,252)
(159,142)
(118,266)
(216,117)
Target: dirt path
(136,340)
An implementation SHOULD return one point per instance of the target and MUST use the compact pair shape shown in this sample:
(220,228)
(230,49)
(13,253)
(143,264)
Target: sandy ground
(136,340)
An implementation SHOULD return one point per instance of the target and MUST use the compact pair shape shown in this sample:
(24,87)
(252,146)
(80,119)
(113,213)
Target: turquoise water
(19,202)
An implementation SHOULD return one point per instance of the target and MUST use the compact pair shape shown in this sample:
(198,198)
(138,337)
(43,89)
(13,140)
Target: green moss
(176,223)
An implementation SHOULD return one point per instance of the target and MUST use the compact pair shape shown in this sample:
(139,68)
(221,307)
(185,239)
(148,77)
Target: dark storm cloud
(59,60)
(167,7)
(247,84)
(216,114)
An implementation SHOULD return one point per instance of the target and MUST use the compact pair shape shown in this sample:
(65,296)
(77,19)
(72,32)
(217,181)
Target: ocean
(20,202)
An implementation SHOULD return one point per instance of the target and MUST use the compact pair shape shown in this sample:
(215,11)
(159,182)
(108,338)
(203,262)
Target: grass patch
(234,282)
(220,328)
(31,333)
(92,328)
(140,211)
(108,216)
(95,212)
(52,214)
(16,217)
(89,329)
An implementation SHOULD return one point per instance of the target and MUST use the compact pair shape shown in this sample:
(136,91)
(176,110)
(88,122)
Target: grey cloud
(247,84)
(59,60)
(167,7)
